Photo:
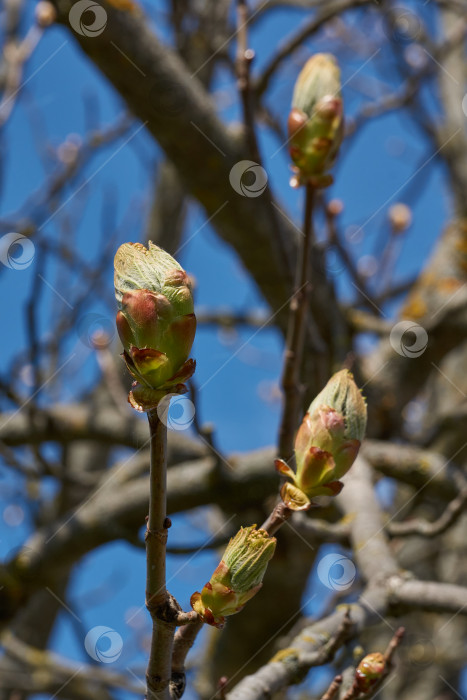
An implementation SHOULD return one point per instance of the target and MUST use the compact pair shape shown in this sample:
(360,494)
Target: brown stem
(245,57)
(333,689)
(295,336)
(158,601)
(393,644)
(277,518)
(184,639)
(359,282)
(353,692)
(157,523)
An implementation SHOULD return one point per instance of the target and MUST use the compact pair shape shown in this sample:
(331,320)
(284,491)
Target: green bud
(237,578)
(316,124)
(155,321)
(326,444)
(343,395)
(369,671)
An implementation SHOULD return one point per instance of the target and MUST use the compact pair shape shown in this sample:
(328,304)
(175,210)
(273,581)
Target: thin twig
(423,528)
(184,639)
(296,330)
(393,644)
(277,518)
(333,689)
(245,58)
(295,41)
(389,258)
(165,675)
(158,601)
(365,296)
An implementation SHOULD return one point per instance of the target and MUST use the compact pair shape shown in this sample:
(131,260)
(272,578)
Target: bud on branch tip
(156,322)
(369,671)
(316,123)
(326,444)
(237,578)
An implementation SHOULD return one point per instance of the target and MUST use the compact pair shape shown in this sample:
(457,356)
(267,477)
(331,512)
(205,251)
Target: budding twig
(295,336)
(356,692)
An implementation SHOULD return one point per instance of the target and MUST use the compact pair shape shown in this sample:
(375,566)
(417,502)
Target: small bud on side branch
(373,669)
(238,577)
(327,443)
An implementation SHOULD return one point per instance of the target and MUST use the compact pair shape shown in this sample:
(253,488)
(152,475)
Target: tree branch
(178,112)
